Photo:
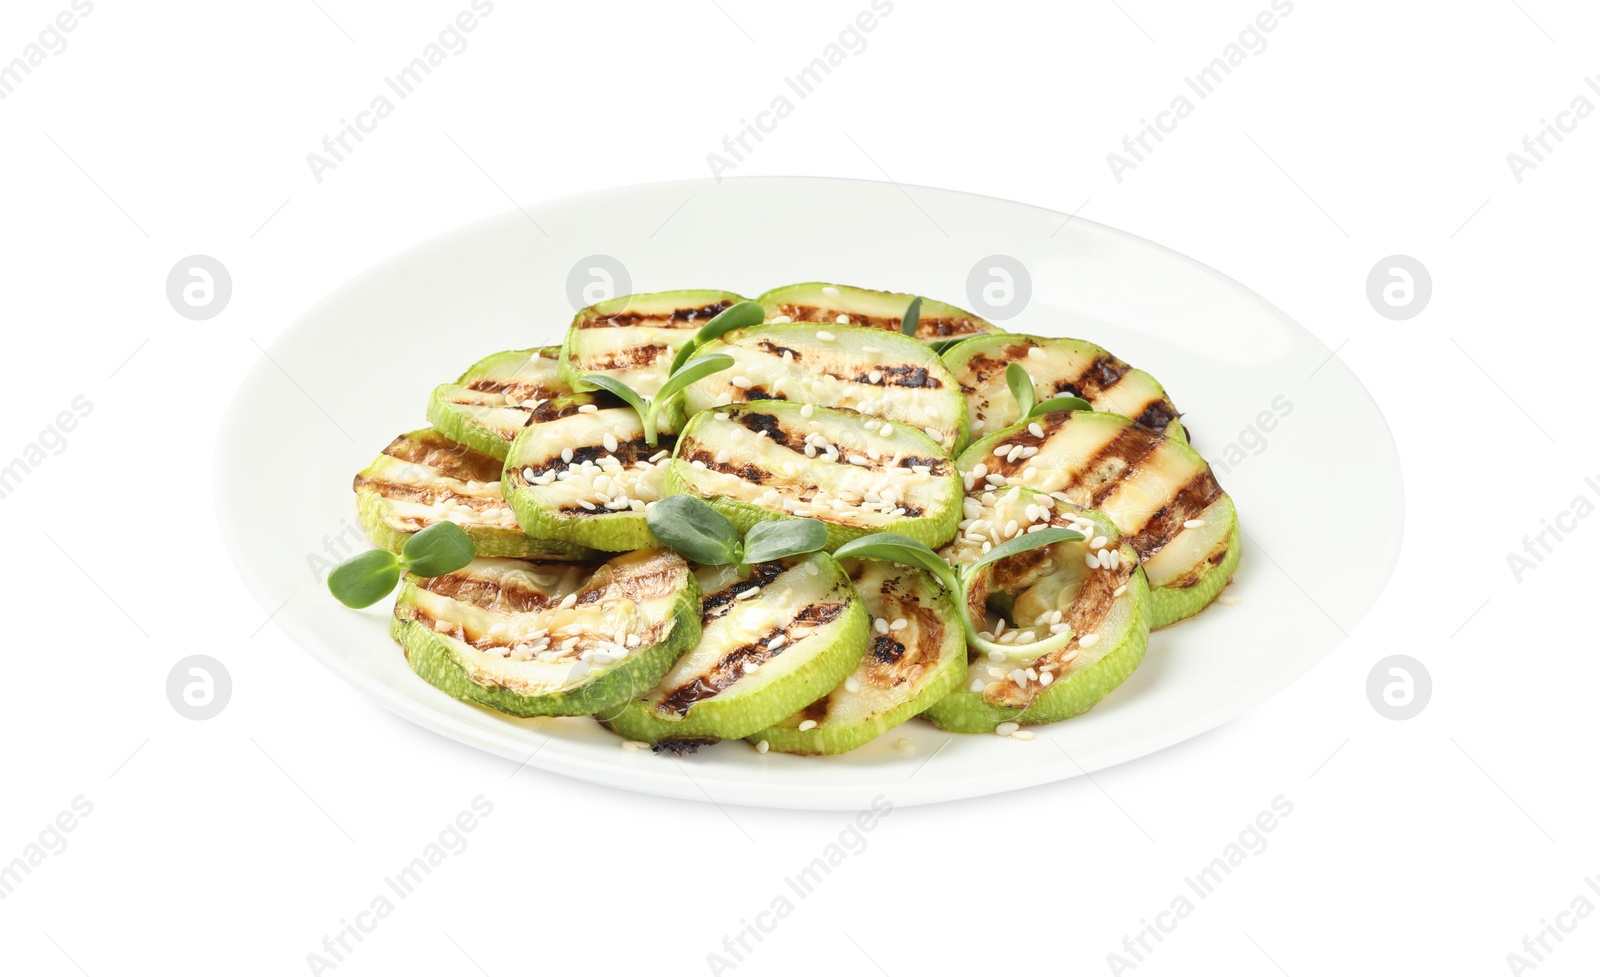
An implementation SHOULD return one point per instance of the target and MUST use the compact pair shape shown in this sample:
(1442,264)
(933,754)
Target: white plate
(357,369)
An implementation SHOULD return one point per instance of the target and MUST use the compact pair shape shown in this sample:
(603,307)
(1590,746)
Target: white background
(235,845)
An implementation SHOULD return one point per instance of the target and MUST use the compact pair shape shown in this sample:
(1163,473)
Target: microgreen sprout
(696,531)
(647,407)
(369,577)
(908,322)
(960,579)
(1028,404)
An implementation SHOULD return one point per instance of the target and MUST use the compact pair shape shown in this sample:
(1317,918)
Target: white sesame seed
(747,594)
(743,383)
(904,745)
(1088,641)
(1120,591)
(825,335)
(842,319)
(1036,430)
(807,410)
(1022,734)
(852,684)
(898,624)
(881,626)
(610,441)
(1046,678)
(808,724)
(977,685)
(588,409)
(875,376)
(776,642)
(763,746)
(1006,729)
(566,455)
(1194,524)
(1097,543)
(1092,561)
(569,601)
(830,291)
(1036,353)
(1228,599)
(887,429)
(528,475)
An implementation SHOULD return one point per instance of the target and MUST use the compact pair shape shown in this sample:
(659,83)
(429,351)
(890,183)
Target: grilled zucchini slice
(1159,492)
(584,474)
(549,639)
(865,370)
(423,478)
(773,459)
(496,398)
(849,305)
(1105,605)
(1060,368)
(635,337)
(915,656)
(769,643)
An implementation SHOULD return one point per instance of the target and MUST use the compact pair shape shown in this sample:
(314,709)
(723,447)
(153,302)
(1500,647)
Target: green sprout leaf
(612,385)
(735,316)
(694,530)
(1059,403)
(776,539)
(908,322)
(365,578)
(904,550)
(442,548)
(1020,544)
(1021,388)
(696,369)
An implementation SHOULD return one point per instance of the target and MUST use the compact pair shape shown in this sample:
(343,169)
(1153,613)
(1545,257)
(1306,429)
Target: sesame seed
(842,319)
(763,746)
(776,642)
(1228,599)
(898,624)
(876,376)
(1194,524)
(830,291)
(747,594)
(610,441)
(1036,353)
(569,601)
(1006,729)
(1022,734)
(904,745)
(825,335)
(528,475)
(1088,641)
(887,429)
(743,383)
(566,455)
(1097,543)
(881,626)
(1120,591)
(808,724)
(977,685)
(1047,678)
(807,410)
(852,684)
(1092,561)
(1036,430)
(588,409)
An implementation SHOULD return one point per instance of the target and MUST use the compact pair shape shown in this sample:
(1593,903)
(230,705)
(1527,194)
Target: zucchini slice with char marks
(1159,492)
(635,337)
(423,478)
(497,397)
(865,370)
(769,643)
(849,305)
(857,475)
(915,655)
(1104,601)
(1060,368)
(549,639)
(585,475)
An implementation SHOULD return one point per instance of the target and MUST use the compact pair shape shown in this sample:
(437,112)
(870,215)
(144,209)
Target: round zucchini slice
(423,478)
(635,337)
(915,655)
(549,639)
(496,398)
(866,370)
(585,475)
(852,306)
(1060,368)
(773,459)
(1158,492)
(1094,587)
(769,643)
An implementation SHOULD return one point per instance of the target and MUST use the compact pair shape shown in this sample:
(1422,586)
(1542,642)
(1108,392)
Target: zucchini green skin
(965,711)
(876,373)
(390,530)
(1059,367)
(657,322)
(1149,486)
(446,663)
(916,684)
(754,702)
(934,527)
(474,410)
(821,302)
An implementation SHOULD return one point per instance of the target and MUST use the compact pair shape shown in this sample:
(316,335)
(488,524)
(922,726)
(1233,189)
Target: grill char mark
(938,327)
(676,316)
(1157,416)
(731,667)
(1195,497)
(713,606)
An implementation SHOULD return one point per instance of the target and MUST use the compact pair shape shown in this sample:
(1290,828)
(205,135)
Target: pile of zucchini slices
(799,520)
